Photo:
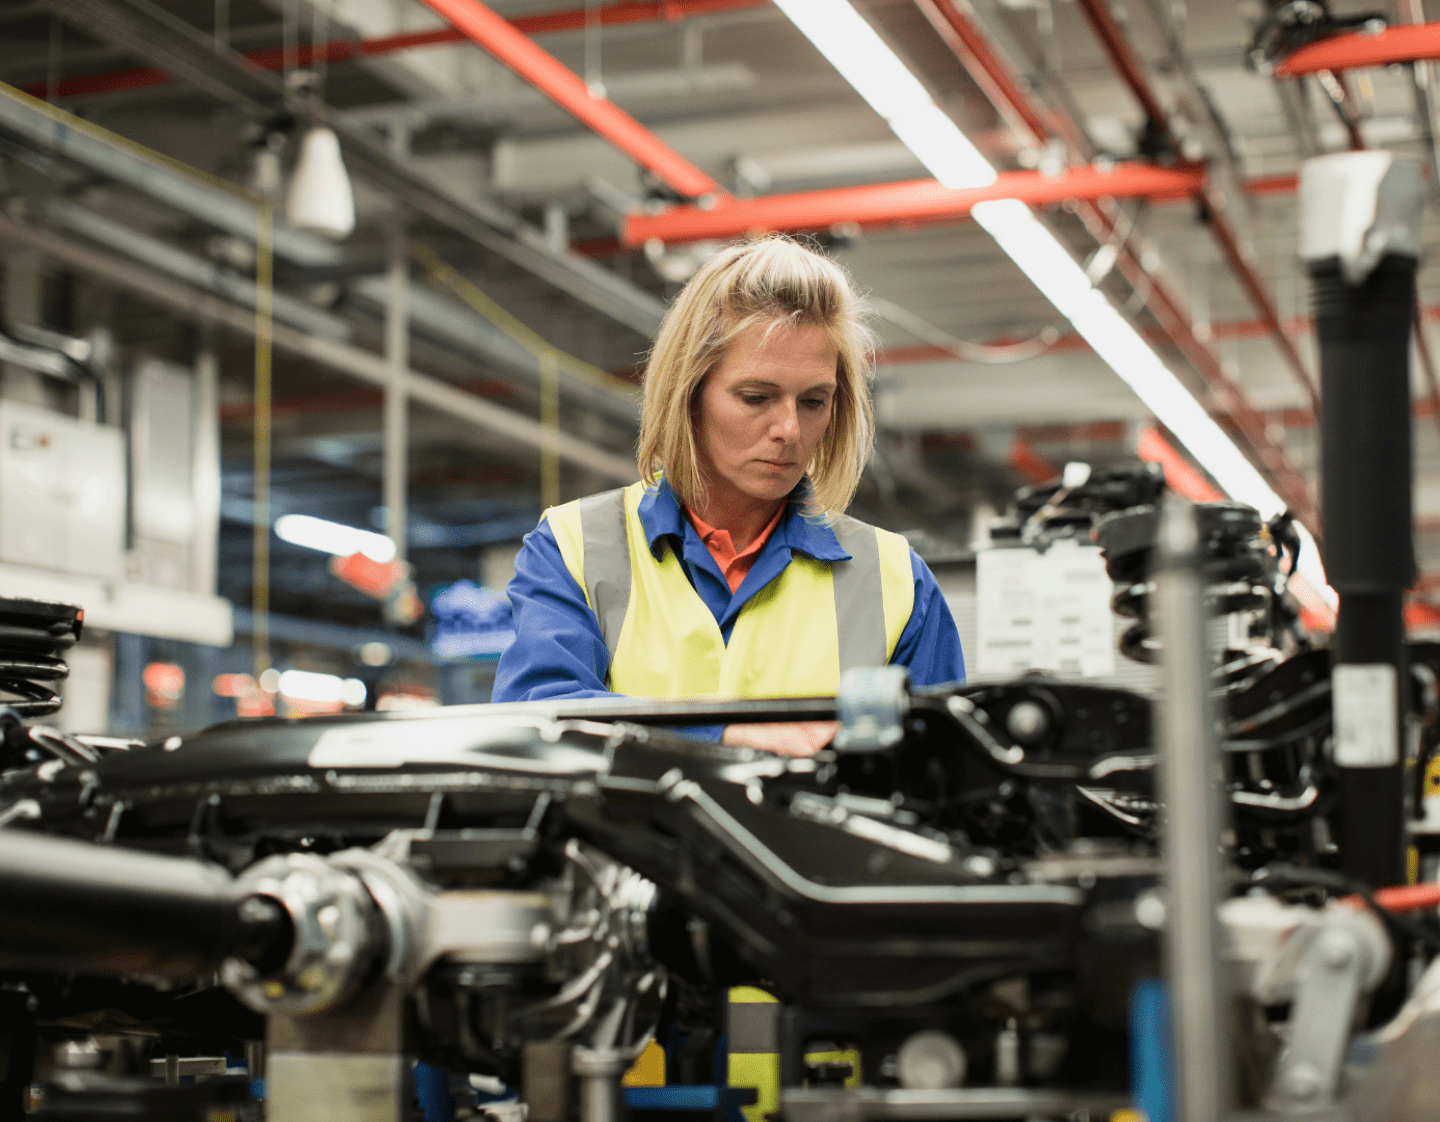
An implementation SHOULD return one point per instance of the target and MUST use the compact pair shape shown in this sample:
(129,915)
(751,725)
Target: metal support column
(397,362)
(1360,236)
(1190,784)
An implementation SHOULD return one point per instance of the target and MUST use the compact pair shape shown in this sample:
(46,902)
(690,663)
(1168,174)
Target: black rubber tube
(1366,459)
(78,907)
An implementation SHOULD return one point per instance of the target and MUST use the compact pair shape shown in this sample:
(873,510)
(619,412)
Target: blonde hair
(776,282)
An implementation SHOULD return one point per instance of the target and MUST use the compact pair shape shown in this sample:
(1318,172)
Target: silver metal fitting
(329,911)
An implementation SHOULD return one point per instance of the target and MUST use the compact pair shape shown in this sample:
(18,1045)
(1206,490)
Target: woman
(730,569)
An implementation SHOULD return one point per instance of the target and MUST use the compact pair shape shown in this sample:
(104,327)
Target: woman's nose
(787,423)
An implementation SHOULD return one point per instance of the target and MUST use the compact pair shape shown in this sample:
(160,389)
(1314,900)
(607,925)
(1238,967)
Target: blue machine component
(1152,1062)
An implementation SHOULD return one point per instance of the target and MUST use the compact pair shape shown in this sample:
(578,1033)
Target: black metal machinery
(969,894)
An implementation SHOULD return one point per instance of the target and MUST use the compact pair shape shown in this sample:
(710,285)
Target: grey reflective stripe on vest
(607,561)
(859,598)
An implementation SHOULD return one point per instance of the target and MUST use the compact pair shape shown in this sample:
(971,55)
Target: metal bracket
(871,704)
(1342,961)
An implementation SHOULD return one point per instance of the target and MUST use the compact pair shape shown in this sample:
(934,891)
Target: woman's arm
(558,650)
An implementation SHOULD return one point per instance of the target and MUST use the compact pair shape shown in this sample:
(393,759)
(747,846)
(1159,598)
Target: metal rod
(264,331)
(1363,283)
(1190,775)
(397,398)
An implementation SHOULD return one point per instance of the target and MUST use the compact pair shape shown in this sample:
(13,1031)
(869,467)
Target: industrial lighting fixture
(320,198)
(333,537)
(324,689)
(878,75)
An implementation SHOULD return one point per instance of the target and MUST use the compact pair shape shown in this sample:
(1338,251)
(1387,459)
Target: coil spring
(33,637)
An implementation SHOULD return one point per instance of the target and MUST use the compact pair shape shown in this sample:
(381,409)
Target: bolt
(1303,1081)
(1338,949)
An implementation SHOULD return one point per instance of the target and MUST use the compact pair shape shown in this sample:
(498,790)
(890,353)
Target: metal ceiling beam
(921,200)
(191,269)
(341,358)
(973,48)
(43,126)
(569,91)
(193,57)
(1233,246)
(354,50)
(1414,42)
(445,321)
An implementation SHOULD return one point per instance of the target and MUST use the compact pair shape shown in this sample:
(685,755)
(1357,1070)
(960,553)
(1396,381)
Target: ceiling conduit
(569,91)
(920,200)
(1227,401)
(353,50)
(1237,254)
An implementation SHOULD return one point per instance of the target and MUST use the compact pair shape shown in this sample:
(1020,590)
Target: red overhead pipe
(1410,43)
(1127,62)
(956,27)
(918,200)
(563,86)
(1132,71)
(351,50)
(1184,478)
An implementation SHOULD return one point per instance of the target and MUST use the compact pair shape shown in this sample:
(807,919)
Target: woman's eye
(815,402)
(753,398)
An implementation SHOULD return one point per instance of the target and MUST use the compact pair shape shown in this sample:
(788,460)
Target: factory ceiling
(1156,155)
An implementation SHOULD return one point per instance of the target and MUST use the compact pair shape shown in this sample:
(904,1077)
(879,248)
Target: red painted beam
(1183,477)
(1029,464)
(1355,49)
(564,87)
(889,203)
(351,50)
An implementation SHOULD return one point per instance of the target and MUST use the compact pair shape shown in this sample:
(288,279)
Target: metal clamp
(871,704)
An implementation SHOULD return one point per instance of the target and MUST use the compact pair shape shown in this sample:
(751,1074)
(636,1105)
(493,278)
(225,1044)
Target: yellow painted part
(648,1070)
(1412,865)
(1432,777)
(760,1070)
(844,1056)
(749,995)
(1129,1116)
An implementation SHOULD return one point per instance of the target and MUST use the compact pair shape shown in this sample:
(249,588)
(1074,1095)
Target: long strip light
(878,75)
(333,537)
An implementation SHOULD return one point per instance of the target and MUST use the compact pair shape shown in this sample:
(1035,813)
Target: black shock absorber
(34,637)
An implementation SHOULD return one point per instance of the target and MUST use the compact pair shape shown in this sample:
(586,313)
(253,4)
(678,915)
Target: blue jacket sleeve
(930,643)
(558,650)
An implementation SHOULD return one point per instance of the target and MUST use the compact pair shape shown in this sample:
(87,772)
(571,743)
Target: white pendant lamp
(320,198)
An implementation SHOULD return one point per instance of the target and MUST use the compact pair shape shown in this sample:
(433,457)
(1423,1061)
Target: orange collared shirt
(722,548)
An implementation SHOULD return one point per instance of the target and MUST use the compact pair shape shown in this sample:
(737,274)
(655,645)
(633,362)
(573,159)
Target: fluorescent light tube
(333,537)
(854,48)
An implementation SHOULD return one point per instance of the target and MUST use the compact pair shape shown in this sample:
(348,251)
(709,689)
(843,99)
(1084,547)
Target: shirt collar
(661,515)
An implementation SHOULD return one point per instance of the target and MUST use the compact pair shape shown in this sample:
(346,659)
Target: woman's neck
(742,517)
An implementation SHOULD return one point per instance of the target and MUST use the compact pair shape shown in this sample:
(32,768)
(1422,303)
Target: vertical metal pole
(264,321)
(397,400)
(550,419)
(1360,219)
(1190,786)
(205,471)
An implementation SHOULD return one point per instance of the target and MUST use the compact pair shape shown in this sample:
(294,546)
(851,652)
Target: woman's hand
(784,738)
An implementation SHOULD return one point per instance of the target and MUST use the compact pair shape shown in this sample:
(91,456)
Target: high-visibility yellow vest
(793,638)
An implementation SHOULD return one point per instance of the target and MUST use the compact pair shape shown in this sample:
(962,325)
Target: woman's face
(761,412)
